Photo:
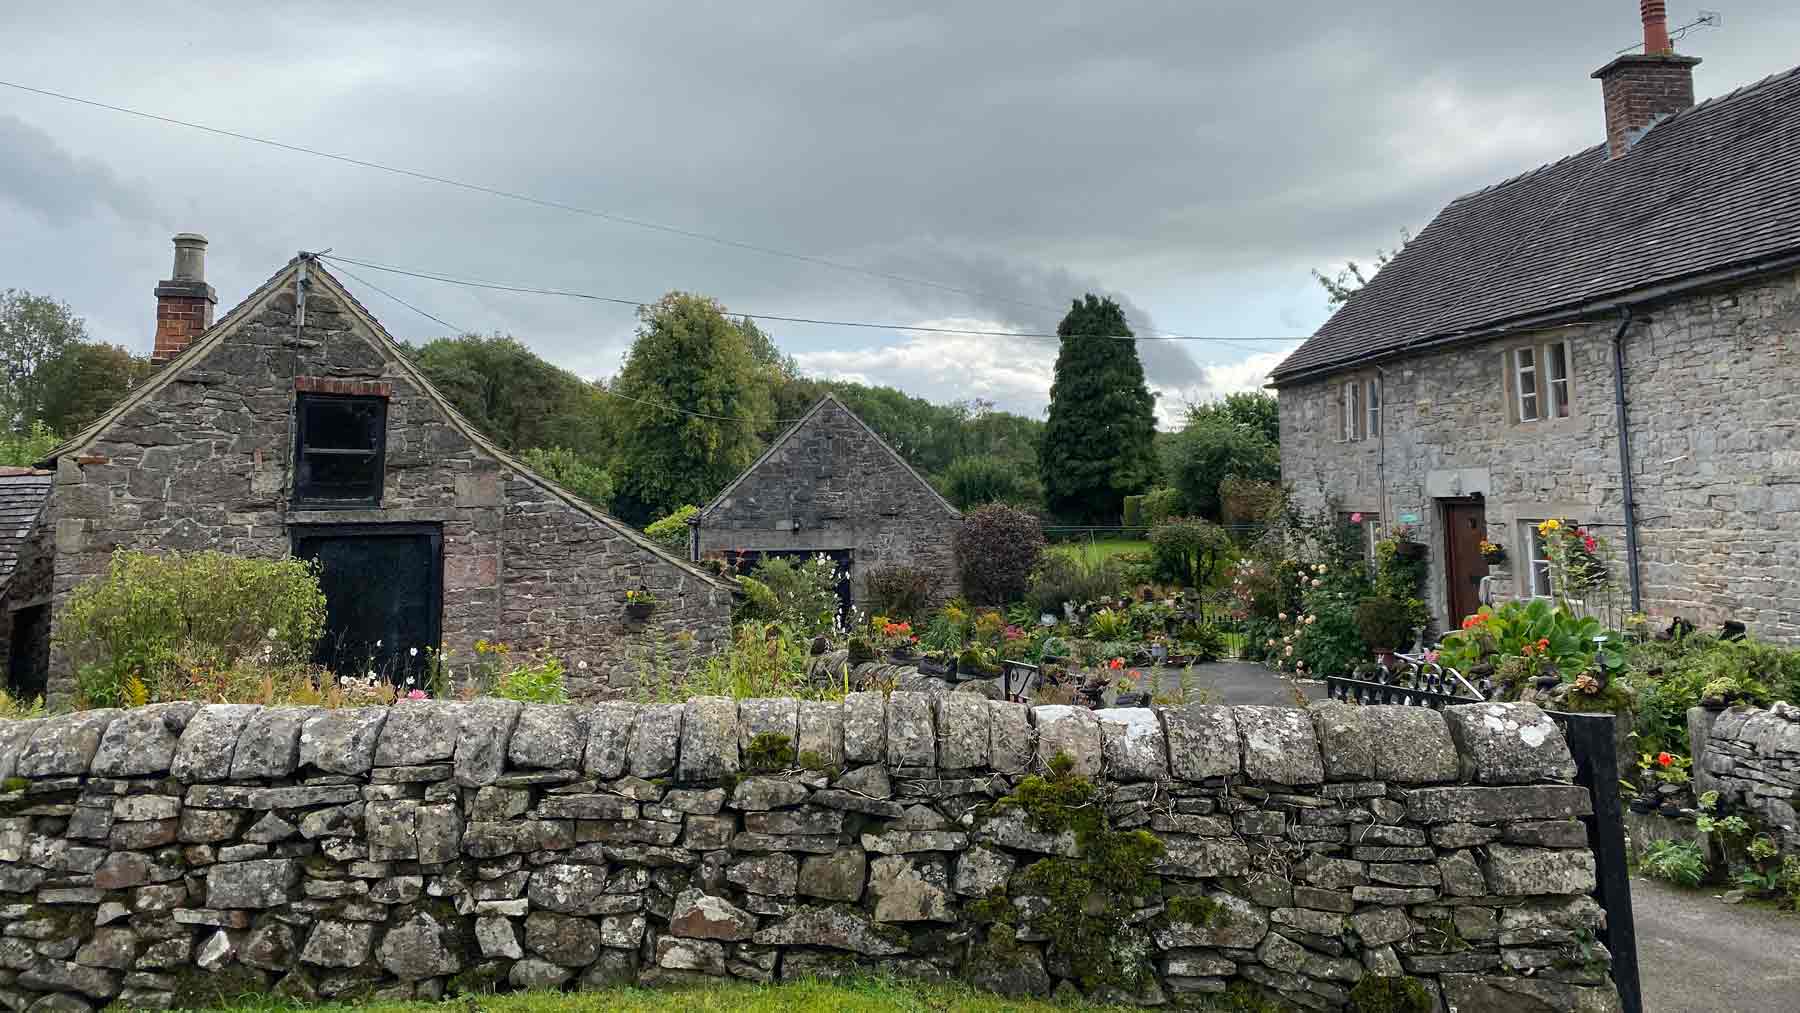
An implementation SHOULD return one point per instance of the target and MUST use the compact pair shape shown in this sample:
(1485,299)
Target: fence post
(1590,738)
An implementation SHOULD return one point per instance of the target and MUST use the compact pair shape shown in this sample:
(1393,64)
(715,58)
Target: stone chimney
(184,303)
(1641,88)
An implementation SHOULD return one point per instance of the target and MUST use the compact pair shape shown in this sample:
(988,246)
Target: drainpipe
(1631,531)
(1387,514)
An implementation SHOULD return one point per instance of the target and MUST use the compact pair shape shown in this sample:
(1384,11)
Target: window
(1374,404)
(340,449)
(1538,579)
(1556,367)
(1369,532)
(1525,379)
(1351,422)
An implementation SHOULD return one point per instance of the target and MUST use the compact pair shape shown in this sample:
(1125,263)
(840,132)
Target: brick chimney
(184,303)
(1641,88)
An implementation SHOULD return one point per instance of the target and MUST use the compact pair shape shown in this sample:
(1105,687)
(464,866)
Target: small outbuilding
(830,484)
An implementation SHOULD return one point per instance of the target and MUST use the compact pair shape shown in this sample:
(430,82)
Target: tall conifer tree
(1097,448)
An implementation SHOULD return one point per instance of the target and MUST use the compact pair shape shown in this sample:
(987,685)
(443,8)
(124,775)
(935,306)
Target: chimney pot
(190,257)
(1642,88)
(1656,26)
(184,302)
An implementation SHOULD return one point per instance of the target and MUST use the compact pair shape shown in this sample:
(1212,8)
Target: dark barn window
(340,450)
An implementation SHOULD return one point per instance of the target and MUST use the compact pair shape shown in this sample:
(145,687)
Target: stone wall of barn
(207,463)
(168,855)
(844,490)
(1713,384)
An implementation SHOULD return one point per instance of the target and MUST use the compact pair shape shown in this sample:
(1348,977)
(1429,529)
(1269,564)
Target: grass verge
(870,995)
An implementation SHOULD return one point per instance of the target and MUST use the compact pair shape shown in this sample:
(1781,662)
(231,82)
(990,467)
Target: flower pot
(1409,550)
(933,666)
(1642,806)
(903,655)
(639,611)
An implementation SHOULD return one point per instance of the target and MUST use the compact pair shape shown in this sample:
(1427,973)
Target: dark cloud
(1192,160)
(42,178)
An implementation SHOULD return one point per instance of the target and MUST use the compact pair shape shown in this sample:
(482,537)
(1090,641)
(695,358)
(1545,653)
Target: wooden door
(1465,523)
(383,587)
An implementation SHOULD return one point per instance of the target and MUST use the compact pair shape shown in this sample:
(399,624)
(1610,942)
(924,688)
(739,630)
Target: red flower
(1664,759)
(1588,542)
(1134,675)
(1117,663)
(1543,643)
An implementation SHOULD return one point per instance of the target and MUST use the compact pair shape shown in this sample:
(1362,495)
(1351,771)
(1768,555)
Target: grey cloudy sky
(1195,160)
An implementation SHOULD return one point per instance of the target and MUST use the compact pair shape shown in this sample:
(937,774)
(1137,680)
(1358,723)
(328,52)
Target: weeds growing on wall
(1089,897)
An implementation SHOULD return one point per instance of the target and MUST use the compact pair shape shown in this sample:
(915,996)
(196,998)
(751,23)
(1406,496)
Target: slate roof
(780,441)
(1712,188)
(23,492)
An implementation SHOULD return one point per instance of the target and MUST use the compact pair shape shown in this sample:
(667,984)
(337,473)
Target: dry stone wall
(177,853)
(1751,757)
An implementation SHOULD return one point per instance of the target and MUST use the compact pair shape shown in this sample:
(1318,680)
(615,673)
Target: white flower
(271,634)
(413,651)
(371,675)
(377,643)
(1315,582)
(1281,616)
(582,664)
(1288,652)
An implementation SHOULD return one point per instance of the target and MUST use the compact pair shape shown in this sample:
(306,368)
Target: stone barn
(830,484)
(297,424)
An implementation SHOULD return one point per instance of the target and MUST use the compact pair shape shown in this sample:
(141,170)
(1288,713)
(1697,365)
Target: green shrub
(761,661)
(583,477)
(901,592)
(1203,641)
(1079,578)
(672,531)
(802,596)
(1679,862)
(541,681)
(1672,676)
(997,548)
(131,633)
(970,482)
(1383,622)
(1188,550)
(1505,631)
(1160,505)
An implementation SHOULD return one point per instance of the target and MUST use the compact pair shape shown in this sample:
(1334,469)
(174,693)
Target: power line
(642,223)
(918,328)
(593,386)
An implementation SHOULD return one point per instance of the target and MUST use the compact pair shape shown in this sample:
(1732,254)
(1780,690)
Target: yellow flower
(1548,526)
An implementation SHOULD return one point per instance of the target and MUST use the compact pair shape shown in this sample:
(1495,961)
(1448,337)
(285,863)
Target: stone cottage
(830,484)
(296,424)
(1613,339)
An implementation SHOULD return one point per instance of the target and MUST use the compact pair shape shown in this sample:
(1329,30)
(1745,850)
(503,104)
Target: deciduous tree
(687,355)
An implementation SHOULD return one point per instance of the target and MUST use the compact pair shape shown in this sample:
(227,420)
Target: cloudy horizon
(1194,163)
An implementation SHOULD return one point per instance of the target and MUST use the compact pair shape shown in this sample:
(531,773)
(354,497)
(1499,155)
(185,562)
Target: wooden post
(1590,738)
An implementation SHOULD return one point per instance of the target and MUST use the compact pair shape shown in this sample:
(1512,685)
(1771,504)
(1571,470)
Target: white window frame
(1525,388)
(1538,580)
(1557,387)
(1350,421)
(1372,403)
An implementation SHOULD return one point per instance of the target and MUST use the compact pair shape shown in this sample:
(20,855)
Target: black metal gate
(1590,738)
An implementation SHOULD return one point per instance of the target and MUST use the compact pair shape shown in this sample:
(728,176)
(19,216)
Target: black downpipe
(1631,529)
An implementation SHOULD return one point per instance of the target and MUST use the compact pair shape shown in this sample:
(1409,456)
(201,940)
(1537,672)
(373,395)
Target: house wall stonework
(206,462)
(847,491)
(1713,384)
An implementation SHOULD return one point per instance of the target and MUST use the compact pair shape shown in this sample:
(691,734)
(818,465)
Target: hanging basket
(639,611)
